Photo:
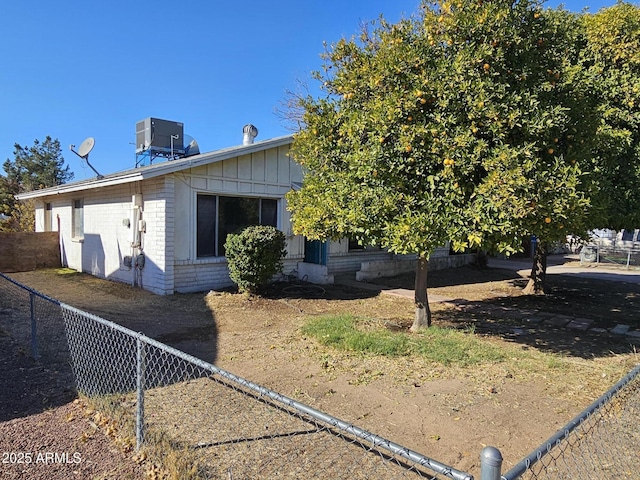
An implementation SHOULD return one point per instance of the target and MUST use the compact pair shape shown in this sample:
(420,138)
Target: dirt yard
(447,413)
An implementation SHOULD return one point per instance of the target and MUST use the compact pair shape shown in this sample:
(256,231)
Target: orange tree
(546,188)
(613,54)
(449,125)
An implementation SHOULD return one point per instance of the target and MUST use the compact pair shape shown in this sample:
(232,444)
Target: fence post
(34,327)
(140,374)
(490,464)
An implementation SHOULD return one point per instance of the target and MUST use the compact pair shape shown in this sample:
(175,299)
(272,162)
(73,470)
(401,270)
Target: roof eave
(164,168)
(76,187)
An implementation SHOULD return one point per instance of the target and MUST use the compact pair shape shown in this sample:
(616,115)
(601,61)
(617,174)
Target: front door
(316,251)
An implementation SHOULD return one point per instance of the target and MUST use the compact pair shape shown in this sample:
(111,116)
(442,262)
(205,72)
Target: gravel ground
(46,432)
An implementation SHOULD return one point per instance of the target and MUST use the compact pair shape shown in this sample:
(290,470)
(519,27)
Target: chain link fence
(33,320)
(203,421)
(206,422)
(628,257)
(601,442)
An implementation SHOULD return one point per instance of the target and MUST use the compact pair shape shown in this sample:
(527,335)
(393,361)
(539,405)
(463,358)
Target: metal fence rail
(628,257)
(27,316)
(601,442)
(210,423)
(217,424)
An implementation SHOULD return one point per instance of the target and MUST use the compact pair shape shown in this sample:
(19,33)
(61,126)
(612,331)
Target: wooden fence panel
(24,251)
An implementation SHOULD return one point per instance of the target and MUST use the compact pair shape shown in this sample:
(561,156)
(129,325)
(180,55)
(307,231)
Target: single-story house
(162,226)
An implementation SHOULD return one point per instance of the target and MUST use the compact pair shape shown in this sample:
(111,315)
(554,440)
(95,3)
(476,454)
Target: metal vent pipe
(250,132)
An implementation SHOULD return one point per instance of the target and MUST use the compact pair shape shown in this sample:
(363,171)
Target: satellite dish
(85,147)
(83,152)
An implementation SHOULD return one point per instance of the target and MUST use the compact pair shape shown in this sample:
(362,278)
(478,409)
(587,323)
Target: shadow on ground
(30,387)
(535,320)
(535,329)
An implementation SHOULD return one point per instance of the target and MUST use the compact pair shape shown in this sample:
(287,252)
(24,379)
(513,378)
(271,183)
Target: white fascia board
(158,170)
(79,186)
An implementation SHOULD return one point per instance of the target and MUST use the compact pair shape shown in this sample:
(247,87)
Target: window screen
(218,216)
(206,226)
(269,212)
(78,218)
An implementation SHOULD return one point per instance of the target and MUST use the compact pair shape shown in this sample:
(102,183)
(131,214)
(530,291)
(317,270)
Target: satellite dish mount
(84,150)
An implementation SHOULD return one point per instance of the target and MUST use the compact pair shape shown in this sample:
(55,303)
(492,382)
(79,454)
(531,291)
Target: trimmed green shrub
(254,256)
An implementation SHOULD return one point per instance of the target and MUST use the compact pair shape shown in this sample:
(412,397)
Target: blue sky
(77,69)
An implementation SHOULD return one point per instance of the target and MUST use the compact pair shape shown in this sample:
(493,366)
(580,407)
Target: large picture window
(218,216)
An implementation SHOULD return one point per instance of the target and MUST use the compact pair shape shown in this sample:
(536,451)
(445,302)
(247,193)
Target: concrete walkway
(556,265)
(570,265)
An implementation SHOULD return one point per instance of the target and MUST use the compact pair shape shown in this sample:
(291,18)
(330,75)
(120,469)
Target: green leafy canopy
(39,166)
(468,122)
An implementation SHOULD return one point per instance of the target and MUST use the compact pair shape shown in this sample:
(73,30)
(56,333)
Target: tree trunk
(538,271)
(423,314)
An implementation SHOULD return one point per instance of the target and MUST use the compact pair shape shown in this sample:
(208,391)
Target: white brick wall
(106,239)
(201,277)
(157,244)
(169,213)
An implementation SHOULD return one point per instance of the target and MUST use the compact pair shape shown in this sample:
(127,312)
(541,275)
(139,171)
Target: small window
(627,235)
(354,244)
(48,225)
(78,219)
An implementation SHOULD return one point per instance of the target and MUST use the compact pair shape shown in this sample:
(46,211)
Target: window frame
(77,219)
(198,248)
(354,246)
(48,217)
